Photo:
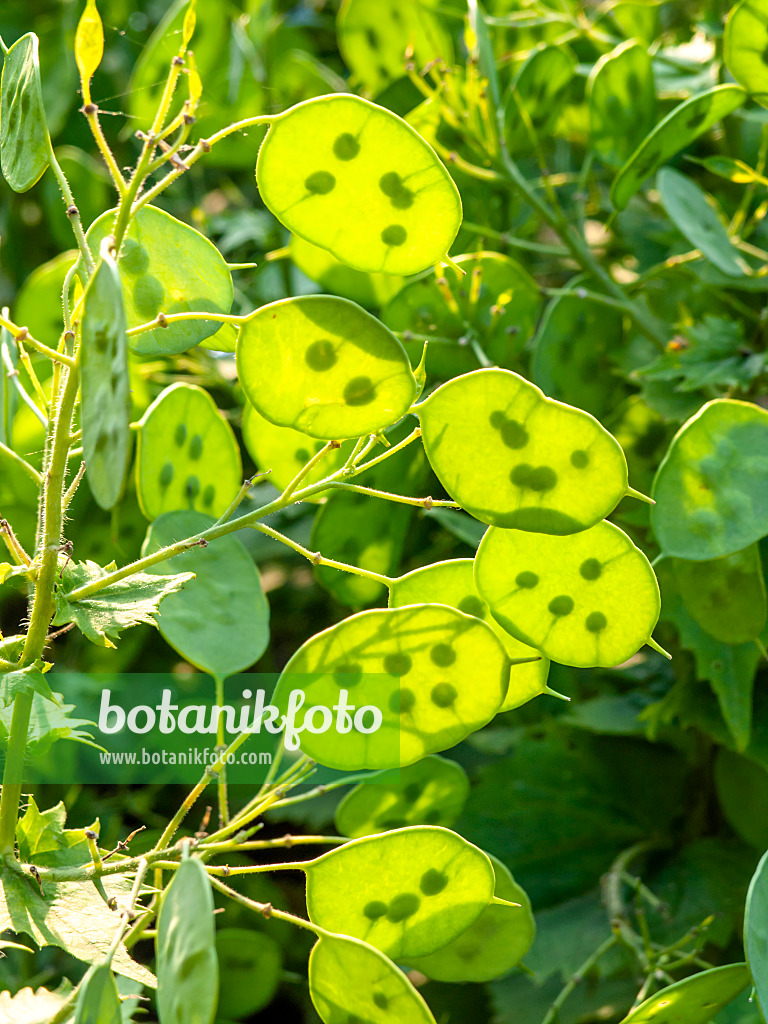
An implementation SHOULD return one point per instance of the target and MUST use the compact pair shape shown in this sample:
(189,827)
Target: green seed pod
(24,140)
(98,1001)
(187,963)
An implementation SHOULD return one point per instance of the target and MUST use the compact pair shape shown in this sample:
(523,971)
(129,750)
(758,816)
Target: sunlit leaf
(711,490)
(435,674)
(89,45)
(677,130)
(368,290)
(513,458)
(24,141)
(693,1000)
(622,102)
(430,792)
(357,180)
(452,583)
(586,600)
(220,620)
(349,980)
(187,456)
(324,366)
(167,267)
(539,88)
(406,892)
(490,947)
(744,47)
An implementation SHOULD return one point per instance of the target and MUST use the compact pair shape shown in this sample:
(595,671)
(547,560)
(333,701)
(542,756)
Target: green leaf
(50,720)
(693,1000)
(430,792)
(44,840)
(357,180)
(730,169)
(283,452)
(586,600)
(756,931)
(744,46)
(637,19)
(742,786)
(452,583)
(368,290)
(25,145)
(622,102)
(490,947)
(167,267)
(350,980)
(575,351)
(188,457)
(250,968)
(688,209)
(23,680)
(373,36)
(118,606)
(70,915)
(187,964)
(324,366)
(105,408)
(540,88)
(726,596)
(678,129)
(513,458)
(31,1006)
(495,305)
(413,665)
(480,45)
(219,621)
(408,892)
(711,490)
(98,1001)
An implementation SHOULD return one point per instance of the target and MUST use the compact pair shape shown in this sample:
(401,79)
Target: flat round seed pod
(369,290)
(323,366)
(693,1000)
(513,458)
(435,675)
(677,130)
(219,621)
(187,455)
(250,965)
(453,583)
(24,141)
(493,945)
(540,87)
(431,792)
(756,931)
(587,600)
(726,596)
(406,892)
(375,34)
(711,489)
(284,451)
(496,299)
(355,179)
(105,411)
(167,267)
(745,45)
(622,102)
(38,301)
(351,981)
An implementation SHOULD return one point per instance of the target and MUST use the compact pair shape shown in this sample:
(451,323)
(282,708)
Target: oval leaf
(167,267)
(187,457)
(407,892)
(355,179)
(453,583)
(435,674)
(622,102)
(540,89)
(745,46)
(323,366)
(24,141)
(726,596)
(349,981)
(587,600)
(677,130)
(431,792)
(220,620)
(711,489)
(513,458)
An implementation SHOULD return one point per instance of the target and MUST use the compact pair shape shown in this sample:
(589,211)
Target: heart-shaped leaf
(430,792)
(355,179)
(453,583)
(587,600)
(323,366)
(187,457)
(513,458)
(711,489)
(407,892)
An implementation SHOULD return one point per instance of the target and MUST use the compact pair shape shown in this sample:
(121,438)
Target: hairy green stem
(73,213)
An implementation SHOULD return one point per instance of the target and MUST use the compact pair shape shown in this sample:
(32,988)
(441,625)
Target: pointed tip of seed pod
(656,647)
(454,266)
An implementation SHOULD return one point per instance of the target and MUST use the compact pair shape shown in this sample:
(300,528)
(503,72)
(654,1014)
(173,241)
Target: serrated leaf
(30,1006)
(49,721)
(103,615)
(23,680)
(44,840)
